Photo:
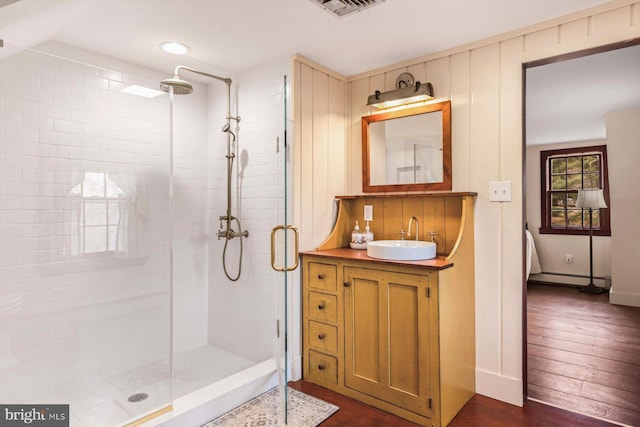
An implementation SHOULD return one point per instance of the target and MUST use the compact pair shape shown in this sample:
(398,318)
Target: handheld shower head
(227,128)
(180,87)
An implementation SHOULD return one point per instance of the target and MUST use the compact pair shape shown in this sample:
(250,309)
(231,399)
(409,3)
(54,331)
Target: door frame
(525,67)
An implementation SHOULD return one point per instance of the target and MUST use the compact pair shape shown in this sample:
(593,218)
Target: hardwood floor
(479,412)
(583,353)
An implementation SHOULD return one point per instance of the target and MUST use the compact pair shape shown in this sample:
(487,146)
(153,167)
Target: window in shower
(99,215)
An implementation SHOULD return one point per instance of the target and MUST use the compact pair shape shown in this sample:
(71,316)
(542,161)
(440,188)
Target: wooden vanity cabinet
(371,332)
(322,322)
(397,335)
(388,338)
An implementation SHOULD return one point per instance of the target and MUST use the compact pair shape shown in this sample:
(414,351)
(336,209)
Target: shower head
(227,128)
(180,87)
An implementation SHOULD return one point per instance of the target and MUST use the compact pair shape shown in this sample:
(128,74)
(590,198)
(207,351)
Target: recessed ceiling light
(175,48)
(142,91)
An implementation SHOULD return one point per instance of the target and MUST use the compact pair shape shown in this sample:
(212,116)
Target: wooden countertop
(437,263)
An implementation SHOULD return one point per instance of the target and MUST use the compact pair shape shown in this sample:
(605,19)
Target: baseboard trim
(295,369)
(506,389)
(624,298)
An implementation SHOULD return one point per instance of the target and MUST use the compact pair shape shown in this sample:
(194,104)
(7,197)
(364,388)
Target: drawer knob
(321,276)
(321,306)
(321,336)
(321,367)
(347,284)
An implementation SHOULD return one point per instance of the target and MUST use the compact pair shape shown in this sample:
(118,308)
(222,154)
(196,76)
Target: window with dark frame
(564,172)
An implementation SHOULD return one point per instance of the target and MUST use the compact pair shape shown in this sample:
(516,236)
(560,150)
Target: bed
(533,262)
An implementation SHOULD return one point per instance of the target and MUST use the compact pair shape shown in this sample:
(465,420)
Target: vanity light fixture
(175,48)
(407,91)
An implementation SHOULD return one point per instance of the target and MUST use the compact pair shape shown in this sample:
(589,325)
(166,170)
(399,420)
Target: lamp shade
(590,199)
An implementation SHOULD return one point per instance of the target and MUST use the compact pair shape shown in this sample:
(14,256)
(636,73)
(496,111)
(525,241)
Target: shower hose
(230,235)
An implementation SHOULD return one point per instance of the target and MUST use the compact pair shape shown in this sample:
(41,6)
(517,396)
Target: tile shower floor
(97,401)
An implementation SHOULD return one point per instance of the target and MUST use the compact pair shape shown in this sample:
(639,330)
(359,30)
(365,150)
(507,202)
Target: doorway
(581,351)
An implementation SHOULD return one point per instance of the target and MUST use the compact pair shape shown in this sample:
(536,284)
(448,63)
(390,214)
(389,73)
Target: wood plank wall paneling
(412,206)
(453,217)
(433,211)
(305,131)
(511,156)
(438,73)
(337,132)
(360,90)
(320,163)
(392,221)
(460,93)
(321,129)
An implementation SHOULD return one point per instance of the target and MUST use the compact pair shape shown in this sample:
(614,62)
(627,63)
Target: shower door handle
(274,230)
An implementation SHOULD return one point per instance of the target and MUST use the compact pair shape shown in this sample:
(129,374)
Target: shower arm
(202,73)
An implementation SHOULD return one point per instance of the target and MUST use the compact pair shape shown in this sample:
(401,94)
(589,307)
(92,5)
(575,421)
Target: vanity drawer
(323,367)
(323,276)
(323,337)
(323,307)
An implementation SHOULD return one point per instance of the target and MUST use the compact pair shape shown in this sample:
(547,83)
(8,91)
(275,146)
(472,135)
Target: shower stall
(128,288)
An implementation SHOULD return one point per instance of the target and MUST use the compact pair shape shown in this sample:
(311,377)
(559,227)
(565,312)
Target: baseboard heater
(546,277)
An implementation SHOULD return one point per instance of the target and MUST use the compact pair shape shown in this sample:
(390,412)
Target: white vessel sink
(401,250)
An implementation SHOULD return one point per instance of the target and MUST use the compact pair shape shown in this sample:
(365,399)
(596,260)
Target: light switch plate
(500,191)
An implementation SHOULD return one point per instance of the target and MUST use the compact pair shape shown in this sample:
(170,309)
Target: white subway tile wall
(85,291)
(255,301)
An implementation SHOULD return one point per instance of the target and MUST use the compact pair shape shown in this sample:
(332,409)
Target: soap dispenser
(368,235)
(357,238)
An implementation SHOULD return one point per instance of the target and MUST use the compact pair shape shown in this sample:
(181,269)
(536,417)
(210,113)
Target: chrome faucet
(411,220)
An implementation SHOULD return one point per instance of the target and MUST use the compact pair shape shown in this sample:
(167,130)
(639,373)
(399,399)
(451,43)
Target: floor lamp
(591,199)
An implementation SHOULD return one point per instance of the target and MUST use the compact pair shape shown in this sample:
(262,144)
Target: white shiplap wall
(321,124)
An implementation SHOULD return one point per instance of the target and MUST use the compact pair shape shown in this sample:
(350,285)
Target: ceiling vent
(345,7)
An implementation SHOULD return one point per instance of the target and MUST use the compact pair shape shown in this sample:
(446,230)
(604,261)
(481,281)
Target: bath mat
(304,411)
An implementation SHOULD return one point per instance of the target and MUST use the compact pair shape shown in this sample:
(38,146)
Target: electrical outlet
(568,258)
(368,212)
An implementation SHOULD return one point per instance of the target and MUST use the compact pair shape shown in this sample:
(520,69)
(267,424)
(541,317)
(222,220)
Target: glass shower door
(284,249)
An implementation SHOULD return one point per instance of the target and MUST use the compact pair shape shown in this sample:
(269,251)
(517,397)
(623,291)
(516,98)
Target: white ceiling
(234,35)
(230,36)
(567,101)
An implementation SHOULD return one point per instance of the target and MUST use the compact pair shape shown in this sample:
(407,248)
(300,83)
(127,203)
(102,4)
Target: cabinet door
(387,337)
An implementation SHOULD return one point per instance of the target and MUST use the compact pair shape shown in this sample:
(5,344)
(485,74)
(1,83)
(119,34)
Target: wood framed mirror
(407,150)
